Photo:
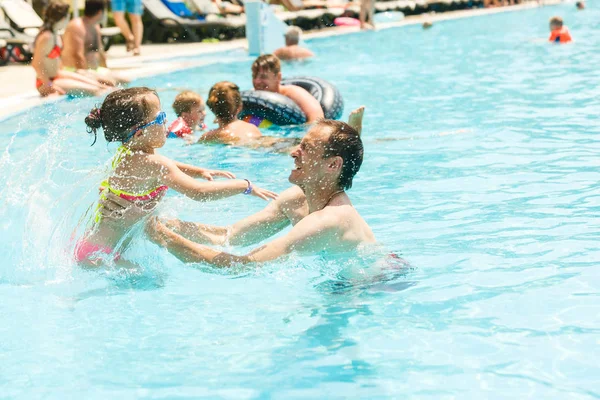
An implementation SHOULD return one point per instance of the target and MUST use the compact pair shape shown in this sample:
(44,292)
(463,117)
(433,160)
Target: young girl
(133,117)
(225,101)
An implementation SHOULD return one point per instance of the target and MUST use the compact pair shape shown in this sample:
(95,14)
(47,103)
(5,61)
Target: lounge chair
(22,16)
(208,7)
(179,8)
(15,46)
(164,22)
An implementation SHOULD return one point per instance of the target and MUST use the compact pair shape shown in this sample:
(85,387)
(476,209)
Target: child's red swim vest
(561,35)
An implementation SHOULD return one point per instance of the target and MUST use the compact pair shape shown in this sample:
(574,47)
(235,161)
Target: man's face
(309,164)
(266,80)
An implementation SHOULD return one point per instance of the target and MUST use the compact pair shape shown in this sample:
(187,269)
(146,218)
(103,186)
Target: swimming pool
(481,170)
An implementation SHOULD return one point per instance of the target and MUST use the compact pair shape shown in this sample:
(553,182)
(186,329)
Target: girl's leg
(77,87)
(76,76)
(138,32)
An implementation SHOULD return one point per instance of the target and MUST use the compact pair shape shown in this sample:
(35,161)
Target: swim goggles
(161,118)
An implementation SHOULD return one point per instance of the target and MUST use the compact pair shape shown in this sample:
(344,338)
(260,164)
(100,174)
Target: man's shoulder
(75,26)
(293,90)
(293,193)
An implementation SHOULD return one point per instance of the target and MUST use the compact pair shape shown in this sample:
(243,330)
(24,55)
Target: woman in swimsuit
(46,59)
(133,117)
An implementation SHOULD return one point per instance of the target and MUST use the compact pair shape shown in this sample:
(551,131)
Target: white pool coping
(18,95)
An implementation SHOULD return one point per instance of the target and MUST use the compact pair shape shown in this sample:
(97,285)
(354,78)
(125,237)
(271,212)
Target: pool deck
(18,94)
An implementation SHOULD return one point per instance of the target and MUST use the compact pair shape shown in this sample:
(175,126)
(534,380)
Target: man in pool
(291,50)
(318,207)
(266,75)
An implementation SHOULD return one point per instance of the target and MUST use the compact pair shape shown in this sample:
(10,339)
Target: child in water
(190,110)
(133,117)
(225,101)
(558,32)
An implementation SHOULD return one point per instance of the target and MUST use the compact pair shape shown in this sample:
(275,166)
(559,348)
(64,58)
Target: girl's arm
(199,172)
(179,181)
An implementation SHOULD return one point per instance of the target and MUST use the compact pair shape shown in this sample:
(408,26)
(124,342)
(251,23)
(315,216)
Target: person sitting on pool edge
(190,110)
(50,78)
(558,32)
(292,51)
(317,207)
(266,75)
(83,50)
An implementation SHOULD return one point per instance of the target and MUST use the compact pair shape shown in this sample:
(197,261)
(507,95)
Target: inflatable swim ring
(346,21)
(263,108)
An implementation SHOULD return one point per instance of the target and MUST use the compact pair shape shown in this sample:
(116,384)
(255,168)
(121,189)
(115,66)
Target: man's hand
(209,174)
(155,231)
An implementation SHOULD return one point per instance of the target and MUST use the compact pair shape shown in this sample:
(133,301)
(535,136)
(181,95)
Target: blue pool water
(481,169)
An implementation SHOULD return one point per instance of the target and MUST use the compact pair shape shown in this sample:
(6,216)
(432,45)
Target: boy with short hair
(190,110)
(558,32)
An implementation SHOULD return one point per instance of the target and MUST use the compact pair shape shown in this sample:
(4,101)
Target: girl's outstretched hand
(209,174)
(263,193)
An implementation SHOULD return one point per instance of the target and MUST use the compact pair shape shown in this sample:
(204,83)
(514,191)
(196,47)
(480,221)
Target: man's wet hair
(92,7)
(267,62)
(345,142)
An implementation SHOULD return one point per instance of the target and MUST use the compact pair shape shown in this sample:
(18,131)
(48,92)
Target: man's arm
(251,230)
(75,39)
(308,104)
(101,53)
(312,234)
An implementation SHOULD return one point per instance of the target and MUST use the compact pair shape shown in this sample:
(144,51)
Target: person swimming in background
(225,101)
(50,79)
(190,110)
(291,50)
(266,75)
(580,5)
(140,175)
(558,32)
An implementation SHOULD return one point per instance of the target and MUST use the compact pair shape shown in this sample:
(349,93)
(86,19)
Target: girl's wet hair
(224,100)
(54,12)
(121,111)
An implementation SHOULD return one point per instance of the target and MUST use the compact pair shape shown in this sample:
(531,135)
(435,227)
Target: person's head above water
(225,101)
(556,23)
(132,116)
(580,5)
(292,36)
(190,106)
(94,9)
(55,16)
(330,154)
(266,73)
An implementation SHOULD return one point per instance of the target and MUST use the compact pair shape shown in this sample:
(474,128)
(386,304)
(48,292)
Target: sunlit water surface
(481,169)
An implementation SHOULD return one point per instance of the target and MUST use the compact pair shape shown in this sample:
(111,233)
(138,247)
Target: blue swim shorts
(131,6)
